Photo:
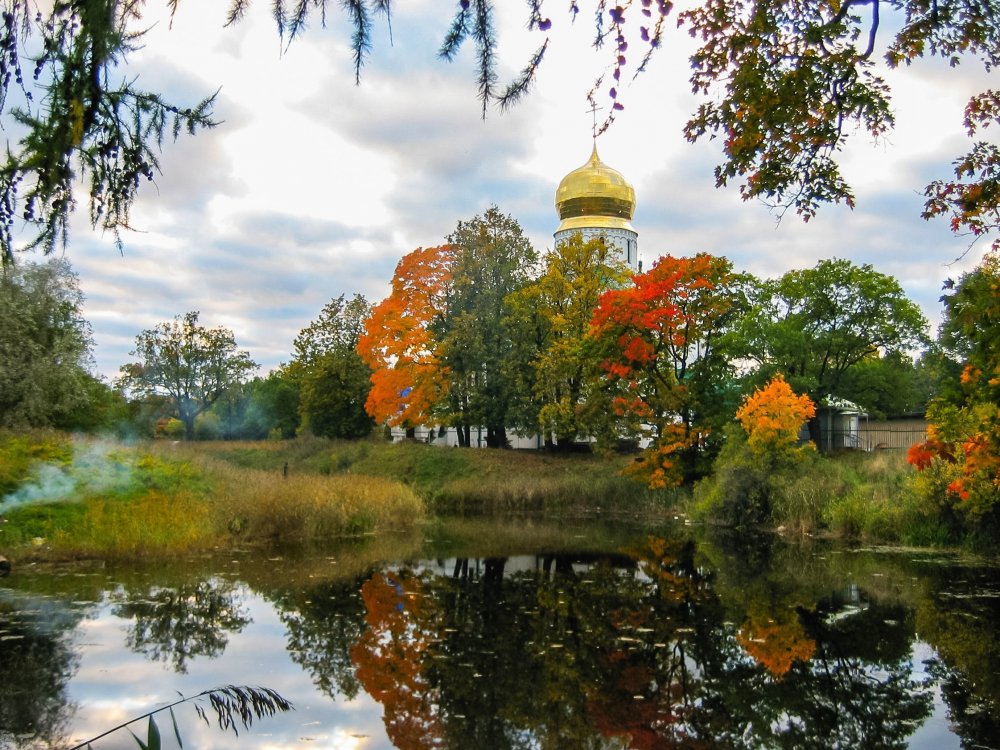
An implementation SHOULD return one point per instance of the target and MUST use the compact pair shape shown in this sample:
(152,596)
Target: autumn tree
(399,342)
(758,459)
(964,433)
(554,364)
(45,346)
(493,259)
(772,418)
(665,342)
(813,325)
(193,366)
(332,378)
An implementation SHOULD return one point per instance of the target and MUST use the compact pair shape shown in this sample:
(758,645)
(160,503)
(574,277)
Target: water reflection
(650,641)
(176,624)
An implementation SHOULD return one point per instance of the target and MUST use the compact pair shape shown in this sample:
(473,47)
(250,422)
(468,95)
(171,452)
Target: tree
(399,344)
(554,368)
(45,346)
(78,122)
(815,324)
(274,405)
(772,417)
(191,365)
(333,379)
(783,83)
(890,385)
(493,259)
(965,434)
(665,342)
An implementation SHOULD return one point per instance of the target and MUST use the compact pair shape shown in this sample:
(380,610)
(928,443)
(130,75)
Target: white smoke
(96,467)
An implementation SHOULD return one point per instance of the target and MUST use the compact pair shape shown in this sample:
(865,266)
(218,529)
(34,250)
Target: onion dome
(595,196)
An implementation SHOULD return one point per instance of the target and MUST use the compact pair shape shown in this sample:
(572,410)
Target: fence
(891,435)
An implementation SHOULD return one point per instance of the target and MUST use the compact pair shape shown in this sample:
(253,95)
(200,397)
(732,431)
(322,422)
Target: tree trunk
(496,437)
(816,433)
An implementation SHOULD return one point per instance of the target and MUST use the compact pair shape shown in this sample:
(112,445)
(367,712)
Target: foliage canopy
(783,85)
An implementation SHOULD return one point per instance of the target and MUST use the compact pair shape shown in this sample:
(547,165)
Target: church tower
(596,201)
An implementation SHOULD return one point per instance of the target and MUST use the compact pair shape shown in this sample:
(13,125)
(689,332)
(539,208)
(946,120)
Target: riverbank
(73,498)
(67,498)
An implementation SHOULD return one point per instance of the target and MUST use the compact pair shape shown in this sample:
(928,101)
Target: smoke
(96,467)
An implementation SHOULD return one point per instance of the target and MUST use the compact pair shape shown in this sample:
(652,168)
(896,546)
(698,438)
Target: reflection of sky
(934,733)
(113,684)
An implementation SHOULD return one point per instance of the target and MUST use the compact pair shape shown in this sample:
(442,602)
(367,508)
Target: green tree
(332,378)
(889,385)
(80,121)
(783,86)
(274,405)
(492,260)
(191,365)
(555,370)
(814,325)
(45,346)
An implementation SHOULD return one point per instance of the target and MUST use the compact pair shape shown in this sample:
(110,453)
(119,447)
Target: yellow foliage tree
(773,416)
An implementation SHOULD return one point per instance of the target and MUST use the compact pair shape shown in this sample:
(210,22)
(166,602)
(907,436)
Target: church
(596,201)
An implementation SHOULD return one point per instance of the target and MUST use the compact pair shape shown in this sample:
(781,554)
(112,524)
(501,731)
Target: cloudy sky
(314,187)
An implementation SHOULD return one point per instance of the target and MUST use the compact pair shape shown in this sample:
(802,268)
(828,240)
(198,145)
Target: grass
(85,498)
(163,499)
(455,480)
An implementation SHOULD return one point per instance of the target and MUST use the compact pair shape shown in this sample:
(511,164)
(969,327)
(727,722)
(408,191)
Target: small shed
(839,424)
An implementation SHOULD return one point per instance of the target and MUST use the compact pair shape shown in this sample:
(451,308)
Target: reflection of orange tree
(391,656)
(648,690)
(776,644)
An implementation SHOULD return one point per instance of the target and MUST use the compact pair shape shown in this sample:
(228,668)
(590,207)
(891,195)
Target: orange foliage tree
(399,345)
(663,343)
(773,416)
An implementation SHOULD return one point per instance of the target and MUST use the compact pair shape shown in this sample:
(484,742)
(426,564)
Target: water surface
(517,635)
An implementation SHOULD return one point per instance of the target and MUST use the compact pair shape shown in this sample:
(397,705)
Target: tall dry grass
(261,505)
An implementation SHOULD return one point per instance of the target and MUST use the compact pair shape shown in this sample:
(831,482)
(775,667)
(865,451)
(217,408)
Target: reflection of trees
(636,651)
(35,665)
(552,657)
(857,689)
(176,624)
(323,622)
(960,616)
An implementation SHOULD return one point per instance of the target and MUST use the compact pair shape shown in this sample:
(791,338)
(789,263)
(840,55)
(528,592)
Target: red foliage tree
(662,341)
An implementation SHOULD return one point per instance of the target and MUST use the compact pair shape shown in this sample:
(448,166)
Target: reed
(268,506)
(464,480)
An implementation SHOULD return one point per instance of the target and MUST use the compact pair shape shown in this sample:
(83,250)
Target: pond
(527,634)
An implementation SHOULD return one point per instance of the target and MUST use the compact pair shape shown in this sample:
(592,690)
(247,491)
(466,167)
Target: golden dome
(595,196)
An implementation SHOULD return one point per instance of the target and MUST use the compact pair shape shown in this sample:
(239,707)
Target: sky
(312,186)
